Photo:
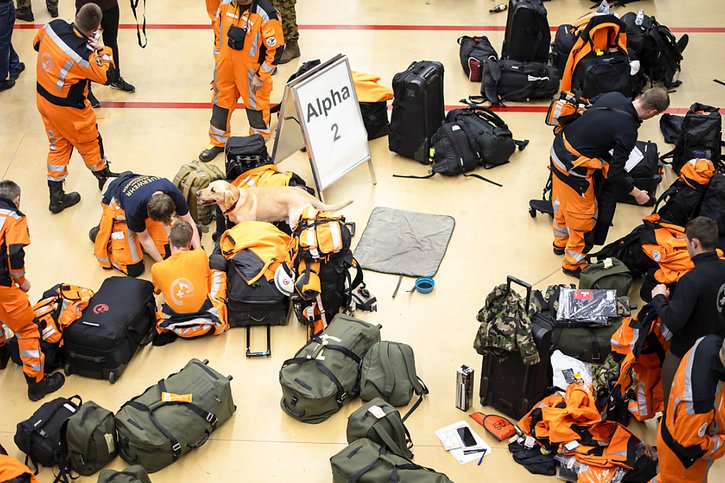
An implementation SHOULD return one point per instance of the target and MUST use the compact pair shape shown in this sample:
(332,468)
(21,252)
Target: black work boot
(52,10)
(4,356)
(103,174)
(50,383)
(59,199)
(25,14)
(210,153)
(93,233)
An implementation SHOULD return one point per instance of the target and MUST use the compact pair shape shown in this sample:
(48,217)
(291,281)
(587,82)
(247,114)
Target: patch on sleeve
(99,61)
(702,430)
(271,42)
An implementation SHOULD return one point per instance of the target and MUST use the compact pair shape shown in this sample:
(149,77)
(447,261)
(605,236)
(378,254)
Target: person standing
(289,29)
(249,40)
(15,310)
(691,435)
(579,155)
(691,311)
(109,27)
(10,65)
(70,56)
(25,9)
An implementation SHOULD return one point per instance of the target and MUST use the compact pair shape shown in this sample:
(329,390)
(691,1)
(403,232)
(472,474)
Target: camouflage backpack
(192,177)
(506,327)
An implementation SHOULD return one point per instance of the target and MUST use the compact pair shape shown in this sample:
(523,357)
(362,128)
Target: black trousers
(109,24)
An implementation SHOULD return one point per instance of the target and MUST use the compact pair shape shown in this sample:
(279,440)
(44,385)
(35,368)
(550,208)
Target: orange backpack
(13,470)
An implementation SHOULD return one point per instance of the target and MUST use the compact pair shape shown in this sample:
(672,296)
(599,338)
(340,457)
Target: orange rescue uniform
(65,67)
(249,43)
(692,433)
(194,295)
(15,309)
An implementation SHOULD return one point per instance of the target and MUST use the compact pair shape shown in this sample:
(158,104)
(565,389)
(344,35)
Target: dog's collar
(232,207)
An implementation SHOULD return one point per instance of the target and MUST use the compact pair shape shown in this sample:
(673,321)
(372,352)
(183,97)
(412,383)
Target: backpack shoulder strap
(389,384)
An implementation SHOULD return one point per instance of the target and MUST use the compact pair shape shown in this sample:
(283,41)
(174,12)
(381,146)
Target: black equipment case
(119,318)
(418,109)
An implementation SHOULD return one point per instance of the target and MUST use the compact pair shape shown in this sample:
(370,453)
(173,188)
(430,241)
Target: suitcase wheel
(112,378)
(532,213)
(66,369)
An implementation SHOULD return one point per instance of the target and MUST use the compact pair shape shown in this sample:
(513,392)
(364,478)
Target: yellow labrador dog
(273,203)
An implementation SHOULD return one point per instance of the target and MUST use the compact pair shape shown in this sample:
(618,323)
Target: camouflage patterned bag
(506,326)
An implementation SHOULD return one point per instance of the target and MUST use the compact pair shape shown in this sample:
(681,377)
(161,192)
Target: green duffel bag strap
(341,393)
(389,384)
(418,385)
(385,437)
(175,445)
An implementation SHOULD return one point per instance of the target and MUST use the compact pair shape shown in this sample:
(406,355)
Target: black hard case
(418,109)
(511,386)
(119,318)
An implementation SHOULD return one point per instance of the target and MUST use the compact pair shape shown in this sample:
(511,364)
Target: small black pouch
(236,37)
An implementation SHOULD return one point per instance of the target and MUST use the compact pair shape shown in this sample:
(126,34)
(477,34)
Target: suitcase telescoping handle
(96,359)
(511,279)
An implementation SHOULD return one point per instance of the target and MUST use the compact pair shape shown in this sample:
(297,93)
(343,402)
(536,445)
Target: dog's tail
(325,207)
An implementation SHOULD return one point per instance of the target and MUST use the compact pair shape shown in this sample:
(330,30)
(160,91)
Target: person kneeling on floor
(15,309)
(580,155)
(194,289)
(692,432)
(137,211)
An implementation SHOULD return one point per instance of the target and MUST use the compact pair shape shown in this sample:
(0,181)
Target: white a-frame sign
(320,112)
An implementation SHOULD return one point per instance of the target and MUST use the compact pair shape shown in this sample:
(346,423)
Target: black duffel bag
(510,80)
(244,153)
(474,52)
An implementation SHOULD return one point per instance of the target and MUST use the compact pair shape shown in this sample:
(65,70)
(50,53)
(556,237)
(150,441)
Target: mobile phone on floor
(467,436)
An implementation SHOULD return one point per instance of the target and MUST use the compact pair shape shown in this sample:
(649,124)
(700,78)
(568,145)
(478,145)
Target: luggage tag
(171,397)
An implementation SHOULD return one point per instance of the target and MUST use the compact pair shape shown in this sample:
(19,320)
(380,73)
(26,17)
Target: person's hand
(660,289)
(256,83)
(641,196)
(96,43)
(25,286)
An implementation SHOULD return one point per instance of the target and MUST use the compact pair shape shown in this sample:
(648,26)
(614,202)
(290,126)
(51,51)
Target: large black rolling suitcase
(527,35)
(511,386)
(119,318)
(258,304)
(418,109)
(645,174)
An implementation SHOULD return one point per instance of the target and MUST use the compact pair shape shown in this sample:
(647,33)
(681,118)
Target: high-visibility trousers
(68,128)
(16,313)
(232,80)
(574,219)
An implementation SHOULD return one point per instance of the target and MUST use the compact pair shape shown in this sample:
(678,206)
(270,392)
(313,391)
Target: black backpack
(700,137)
(39,437)
(564,40)
(474,52)
(244,153)
(527,35)
(511,80)
(713,202)
(657,49)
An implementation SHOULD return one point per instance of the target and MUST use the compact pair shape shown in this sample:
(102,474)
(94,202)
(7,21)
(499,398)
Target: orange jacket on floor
(263,176)
(692,433)
(264,240)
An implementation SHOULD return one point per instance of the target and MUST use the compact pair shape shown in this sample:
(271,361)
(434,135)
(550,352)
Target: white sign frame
(325,171)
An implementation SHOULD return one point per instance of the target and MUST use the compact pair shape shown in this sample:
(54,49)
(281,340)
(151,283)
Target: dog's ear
(231,196)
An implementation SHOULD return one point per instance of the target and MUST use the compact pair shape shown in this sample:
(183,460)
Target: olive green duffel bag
(132,474)
(388,372)
(325,373)
(381,423)
(610,273)
(363,461)
(174,416)
(89,439)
